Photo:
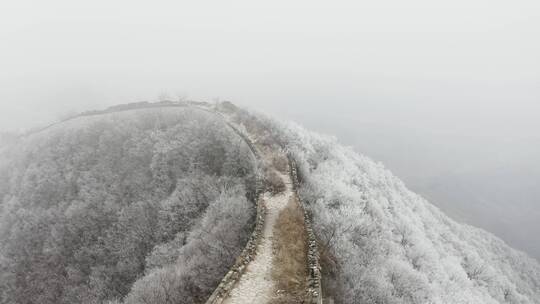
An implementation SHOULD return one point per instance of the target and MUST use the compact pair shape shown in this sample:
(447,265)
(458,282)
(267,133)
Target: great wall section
(226,292)
(231,288)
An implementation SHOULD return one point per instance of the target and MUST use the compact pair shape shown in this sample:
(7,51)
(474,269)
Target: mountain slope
(153,205)
(109,206)
(381,243)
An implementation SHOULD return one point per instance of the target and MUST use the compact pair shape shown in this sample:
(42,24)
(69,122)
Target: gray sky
(444,93)
(403,60)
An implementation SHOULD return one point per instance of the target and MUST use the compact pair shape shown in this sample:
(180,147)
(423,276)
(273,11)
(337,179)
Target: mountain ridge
(379,242)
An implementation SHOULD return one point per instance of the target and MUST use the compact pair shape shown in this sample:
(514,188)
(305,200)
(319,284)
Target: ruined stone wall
(314,287)
(248,254)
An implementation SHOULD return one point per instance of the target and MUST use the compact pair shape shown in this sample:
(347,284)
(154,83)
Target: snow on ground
(256,284)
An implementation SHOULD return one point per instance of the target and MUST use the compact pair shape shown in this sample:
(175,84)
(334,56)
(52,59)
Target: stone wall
(314,287)
(248,254)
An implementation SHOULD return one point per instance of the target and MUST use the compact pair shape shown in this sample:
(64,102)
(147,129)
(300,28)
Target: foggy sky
(443,93)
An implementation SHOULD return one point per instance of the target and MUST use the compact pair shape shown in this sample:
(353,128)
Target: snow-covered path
(256,284)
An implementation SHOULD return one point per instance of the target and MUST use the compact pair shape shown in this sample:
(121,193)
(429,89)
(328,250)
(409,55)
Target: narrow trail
(279,263)
(256,284)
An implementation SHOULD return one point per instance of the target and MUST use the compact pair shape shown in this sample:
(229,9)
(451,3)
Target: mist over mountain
(433,90)
(385,244)
(379,152)
(152,203)
(475,171)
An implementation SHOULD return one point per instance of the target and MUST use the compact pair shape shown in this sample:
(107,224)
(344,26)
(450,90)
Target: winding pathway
(256,284)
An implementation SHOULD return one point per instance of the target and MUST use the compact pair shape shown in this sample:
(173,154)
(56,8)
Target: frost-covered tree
(94,204)
(381,243)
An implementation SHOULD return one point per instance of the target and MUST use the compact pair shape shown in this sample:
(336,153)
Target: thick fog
(446,95)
